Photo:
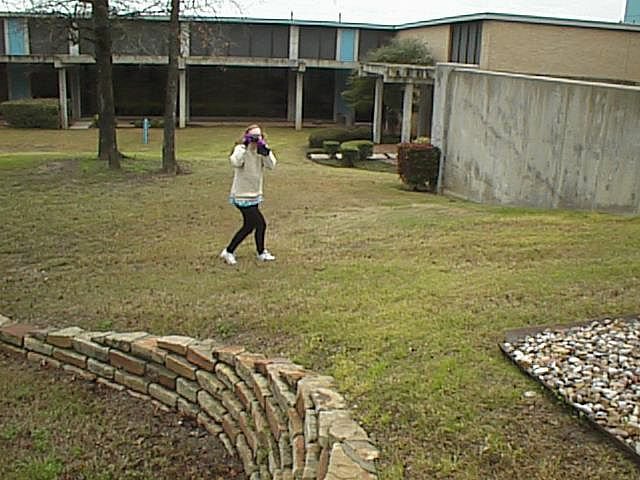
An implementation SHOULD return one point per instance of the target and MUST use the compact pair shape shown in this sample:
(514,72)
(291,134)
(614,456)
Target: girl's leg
(248,225)
(261,228)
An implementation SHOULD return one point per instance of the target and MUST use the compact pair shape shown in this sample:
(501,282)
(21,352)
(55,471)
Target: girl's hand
(263,148)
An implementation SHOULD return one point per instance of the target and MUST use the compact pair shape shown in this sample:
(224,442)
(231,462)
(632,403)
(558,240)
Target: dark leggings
(252,219)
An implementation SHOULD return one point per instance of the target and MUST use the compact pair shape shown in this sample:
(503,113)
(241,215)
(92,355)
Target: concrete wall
(437,37)
(586,53)
(535,141)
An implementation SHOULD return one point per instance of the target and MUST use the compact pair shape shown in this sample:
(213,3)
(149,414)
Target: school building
(294,70)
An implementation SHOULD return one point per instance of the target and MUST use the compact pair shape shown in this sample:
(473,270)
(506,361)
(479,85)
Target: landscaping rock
(595,368)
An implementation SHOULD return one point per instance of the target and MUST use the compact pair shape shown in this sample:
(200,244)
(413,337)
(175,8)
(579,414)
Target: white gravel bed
(595,368)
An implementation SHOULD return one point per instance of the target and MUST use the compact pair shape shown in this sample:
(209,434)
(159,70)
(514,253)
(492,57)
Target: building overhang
(398,73)
(62,61)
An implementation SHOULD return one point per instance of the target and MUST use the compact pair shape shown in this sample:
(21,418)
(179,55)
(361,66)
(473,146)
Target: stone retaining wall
(283,421)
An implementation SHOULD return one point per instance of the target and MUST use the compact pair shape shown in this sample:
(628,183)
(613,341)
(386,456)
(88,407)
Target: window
(318,43)
(372,39)
(466,39)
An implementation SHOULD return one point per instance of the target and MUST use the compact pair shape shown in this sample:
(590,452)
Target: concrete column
(299,86)
(74,39)
(440,117)
(62,90)
(183,99)
(377,110)
(440,104)
(294,42)
(424,110)
(356,47)
(185,40)
(291,97)
(74,48)
(187,104)
(74,80)
(407,104)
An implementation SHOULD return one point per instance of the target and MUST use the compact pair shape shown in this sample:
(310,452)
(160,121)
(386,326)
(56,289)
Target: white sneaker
(230,258)
(265,256)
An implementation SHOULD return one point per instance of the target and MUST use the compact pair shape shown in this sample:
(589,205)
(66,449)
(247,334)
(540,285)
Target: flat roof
(503,17)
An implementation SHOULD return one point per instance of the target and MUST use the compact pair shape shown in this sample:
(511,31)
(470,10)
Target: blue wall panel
(16,36)
(632,12)
(347,45)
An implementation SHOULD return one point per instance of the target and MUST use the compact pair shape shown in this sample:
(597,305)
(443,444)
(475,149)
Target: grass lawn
(402,296)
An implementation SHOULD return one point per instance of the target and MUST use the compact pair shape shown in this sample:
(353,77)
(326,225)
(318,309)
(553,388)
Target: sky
(406,11)
(395,12)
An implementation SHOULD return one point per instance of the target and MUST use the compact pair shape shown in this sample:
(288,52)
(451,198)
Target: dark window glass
(261,40)
(87,46)
(139,90)
(238,91)
(44,81)
(48,36)
(370,40)
(317,43)
(466,41)
(139,37)
(455,45)
(239,40)
(280,42)
(318,94)
(4,88)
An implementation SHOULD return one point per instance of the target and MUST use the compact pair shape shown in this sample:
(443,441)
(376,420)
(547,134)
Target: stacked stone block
(283,421)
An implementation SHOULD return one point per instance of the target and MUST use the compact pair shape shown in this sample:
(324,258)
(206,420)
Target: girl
(249,158)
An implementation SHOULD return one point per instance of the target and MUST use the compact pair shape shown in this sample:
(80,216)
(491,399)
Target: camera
(251,138)
(263,149)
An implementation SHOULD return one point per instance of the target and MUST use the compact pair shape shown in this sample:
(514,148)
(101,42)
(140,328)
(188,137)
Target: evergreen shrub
(418,165)
(365,147)
(31,113)
(338,134)
(331,147)
(153,123)
(349,155)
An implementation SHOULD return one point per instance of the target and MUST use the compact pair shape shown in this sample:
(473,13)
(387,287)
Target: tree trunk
(107,146)
(169,163)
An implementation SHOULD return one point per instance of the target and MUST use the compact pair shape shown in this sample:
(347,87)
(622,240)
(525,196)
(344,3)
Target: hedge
(331,147)
(365,147)
(338,134)
(32,113)
(153,123)
(349,155)
(418,165)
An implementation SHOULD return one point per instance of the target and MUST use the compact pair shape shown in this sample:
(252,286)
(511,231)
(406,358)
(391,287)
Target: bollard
(145,131)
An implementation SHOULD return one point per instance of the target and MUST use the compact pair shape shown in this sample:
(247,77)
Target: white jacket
(248,168)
